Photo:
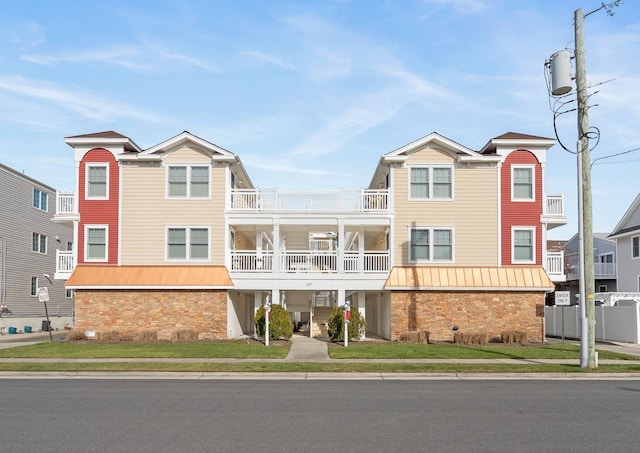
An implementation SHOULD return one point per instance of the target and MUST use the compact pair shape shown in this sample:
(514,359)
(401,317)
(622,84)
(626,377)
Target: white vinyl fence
(612,323)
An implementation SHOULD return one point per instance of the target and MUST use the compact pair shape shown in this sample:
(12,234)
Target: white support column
(361,249)
(341,297)
(275,297)
(340,266)
(277,248)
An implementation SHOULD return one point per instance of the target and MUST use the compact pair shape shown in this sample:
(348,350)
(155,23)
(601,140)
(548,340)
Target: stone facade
(165,311)
(491,312)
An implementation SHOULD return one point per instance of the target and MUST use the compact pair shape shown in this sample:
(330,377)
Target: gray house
(627,237)
(29,243)
(604,266)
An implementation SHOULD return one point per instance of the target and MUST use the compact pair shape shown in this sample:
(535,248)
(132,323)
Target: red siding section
(99,212)
(520,213)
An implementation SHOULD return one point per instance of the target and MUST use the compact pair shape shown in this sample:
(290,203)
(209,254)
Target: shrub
(419,337)
(335,326)
(108,335)
(280,324)
(471,338)
(76,335)
(146,336)
(513,336)
(184,335)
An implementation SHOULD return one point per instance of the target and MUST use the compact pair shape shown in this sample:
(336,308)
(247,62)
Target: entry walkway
(305,349)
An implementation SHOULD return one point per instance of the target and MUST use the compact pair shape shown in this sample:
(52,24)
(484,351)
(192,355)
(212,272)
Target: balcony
(281,201)
(555,266)
(66,207)
(604,270)
(553,211)
(65,263)
(305,262)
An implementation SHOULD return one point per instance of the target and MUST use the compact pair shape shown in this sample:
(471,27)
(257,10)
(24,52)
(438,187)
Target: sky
(311,93)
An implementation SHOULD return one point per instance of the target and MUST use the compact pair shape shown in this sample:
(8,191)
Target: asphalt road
(81,415)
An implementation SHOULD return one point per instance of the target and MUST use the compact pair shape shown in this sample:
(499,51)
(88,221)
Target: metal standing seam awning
(149,277)
(462,278)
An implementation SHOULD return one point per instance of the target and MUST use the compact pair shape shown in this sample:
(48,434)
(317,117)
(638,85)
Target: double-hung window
(40,199)
(188,181)
(430,244)
(97,186)
(635,247)
(522,178)
(431,183)
(33,290)
(39,243)
(523,240)
(96,241)
(188,243)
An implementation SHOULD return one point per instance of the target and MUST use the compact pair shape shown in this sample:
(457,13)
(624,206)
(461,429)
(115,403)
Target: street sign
(562,298)
(43,294)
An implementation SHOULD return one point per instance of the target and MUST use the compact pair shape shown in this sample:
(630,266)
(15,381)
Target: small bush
(513,336)
(419,337)
(471,338)
(335,326)
(184,335)
(146,336)
(76,335)
(108,335)
(280,324)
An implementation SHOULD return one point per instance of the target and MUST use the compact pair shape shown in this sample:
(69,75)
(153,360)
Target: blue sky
(311,93)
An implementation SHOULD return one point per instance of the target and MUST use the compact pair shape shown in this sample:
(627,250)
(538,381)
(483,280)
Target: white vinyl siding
(96,242)
(97,181)
(523,240)
(188,243)
(431,244)
(187,181)
(431,183)
(522,183)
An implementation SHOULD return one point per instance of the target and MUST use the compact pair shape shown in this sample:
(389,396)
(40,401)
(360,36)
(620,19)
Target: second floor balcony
(65,264)
(554,266)
(553,211)
(275,200)
(66,207)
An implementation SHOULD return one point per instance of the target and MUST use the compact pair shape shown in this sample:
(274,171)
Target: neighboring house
(604,266)
(29,243)
(176,236)
(627,237)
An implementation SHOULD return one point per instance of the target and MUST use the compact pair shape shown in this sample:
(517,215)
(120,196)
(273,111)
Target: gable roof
(149,277)
(623,227)
(186,138)
(460,278)
(441,141)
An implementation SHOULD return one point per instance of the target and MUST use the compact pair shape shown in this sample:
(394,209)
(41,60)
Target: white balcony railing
(309,262)
(554,205)
(65,263)
(604,270)
(66,203)
(274,200)
(555,264)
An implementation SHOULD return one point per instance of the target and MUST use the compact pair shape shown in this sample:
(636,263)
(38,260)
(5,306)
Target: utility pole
(587,210)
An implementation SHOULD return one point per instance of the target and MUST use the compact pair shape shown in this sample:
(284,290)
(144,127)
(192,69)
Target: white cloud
(271,59)
(123,56)
(191,61)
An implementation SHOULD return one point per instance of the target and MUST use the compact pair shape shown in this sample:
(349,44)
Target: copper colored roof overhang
(459,278)
(149,277)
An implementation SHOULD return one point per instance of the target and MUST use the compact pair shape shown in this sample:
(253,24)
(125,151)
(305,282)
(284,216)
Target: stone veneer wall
(473,312)
(165,311)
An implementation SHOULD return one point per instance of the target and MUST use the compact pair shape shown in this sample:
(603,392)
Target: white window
(635,247)
(602,288)
(523,240)
(69,294)
(187,181)
(34,287)
(188,243)
(40,199)
(97,185)
(39,243)
(431,183)
(96,240)
(605,258)
(522,188)
(430,244)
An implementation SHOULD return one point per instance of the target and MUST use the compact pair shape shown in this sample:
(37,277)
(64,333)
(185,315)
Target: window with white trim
(187,181)
(430,244)
(522,178)
(635,247)
(40,199)
(431,183)
(38,243)
(68,294)
(523,245)
(97,186)
(33,292)
(95,242)
(188,243)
